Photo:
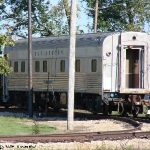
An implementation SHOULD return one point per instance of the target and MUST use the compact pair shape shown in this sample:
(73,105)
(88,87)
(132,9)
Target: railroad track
(78,137)
(83,137)
(86,137)
(142,119)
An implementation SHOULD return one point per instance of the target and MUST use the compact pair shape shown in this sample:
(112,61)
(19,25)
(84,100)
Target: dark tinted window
(23,66)
(77,65)
(16,66)
(37,66)
(93,65)
(62,66)
(44,66)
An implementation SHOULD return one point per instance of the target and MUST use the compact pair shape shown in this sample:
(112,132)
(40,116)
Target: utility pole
(96,16)
(71,82)
(30,86)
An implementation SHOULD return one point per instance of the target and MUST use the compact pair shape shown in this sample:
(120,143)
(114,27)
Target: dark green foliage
(4,66)
(118,15)
(46,19)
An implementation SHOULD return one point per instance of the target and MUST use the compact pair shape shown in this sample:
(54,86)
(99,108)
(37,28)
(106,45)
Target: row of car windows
(37,66)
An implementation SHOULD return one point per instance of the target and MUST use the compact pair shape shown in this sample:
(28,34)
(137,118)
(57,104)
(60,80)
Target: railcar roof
(90,39)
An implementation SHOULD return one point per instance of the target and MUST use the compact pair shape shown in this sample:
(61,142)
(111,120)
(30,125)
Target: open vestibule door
(134,68)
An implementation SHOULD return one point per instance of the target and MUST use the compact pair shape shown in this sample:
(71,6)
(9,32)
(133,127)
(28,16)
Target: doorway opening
(134,68)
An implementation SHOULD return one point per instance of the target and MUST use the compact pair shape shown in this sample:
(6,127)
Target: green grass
(22,126)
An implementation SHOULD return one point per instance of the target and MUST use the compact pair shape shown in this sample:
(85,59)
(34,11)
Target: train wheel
(56,105)
(135,111)
(105,109)
(122,109)
(110,111)
(110,108)
(6,106)
(124,113)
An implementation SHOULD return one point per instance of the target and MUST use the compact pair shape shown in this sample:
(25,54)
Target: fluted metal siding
(88,47)
(88,83)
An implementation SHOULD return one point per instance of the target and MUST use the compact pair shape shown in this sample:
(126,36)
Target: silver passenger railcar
(111,71)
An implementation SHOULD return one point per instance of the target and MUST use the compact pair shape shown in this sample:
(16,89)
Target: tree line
(48,19)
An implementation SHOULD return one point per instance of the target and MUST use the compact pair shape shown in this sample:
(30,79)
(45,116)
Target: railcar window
(44,66)
(93,65)
(16,66)
(37,66)
(77,65)
(23,66)
(62,66)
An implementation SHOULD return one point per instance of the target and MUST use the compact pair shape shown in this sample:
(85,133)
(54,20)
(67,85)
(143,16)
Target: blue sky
(83,20)
(147,27)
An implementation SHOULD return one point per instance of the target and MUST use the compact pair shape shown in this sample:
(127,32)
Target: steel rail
(78,137)
(85,136)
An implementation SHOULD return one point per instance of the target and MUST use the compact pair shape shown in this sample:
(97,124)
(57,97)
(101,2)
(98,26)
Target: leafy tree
(46,19)
(67,11)
(6,40)
(118,15)
(4,66)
